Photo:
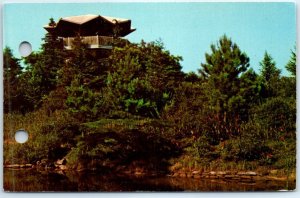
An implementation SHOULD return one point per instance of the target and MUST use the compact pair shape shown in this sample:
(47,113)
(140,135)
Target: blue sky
(186,29)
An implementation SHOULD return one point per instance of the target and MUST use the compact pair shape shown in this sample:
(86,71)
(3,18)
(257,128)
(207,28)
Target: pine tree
(12,71)
(289,82)
(143,77)
(52,57)
(270,76)
(84,76)
(225,77)
(268,68)
(291,65)
(42,72)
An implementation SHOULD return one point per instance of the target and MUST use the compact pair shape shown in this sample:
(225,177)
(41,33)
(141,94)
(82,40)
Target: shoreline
(242,176)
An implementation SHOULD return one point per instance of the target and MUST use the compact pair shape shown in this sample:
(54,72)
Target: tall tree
(143,77)
(42,68)
(12,71)
(84,76)
(291,65)
(268,68)
(288,83)
(225,77)
(270,76)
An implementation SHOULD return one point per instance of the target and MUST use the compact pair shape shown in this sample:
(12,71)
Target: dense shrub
(277,115)
(252,142)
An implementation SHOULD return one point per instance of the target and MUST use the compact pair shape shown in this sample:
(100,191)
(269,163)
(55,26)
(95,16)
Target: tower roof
(90,24)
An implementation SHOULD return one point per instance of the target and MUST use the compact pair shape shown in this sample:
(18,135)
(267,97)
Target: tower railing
(105,42)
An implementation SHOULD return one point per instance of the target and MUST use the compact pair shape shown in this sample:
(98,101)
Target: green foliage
(14,100)
(41,75)
(277,115)
(252,141)
(201,149)
(228,83)
(142,78)
(111,142)
(268,68)
(49,137)
(186,111)
(270,76)
(110,108)
(291,65)
(81,101)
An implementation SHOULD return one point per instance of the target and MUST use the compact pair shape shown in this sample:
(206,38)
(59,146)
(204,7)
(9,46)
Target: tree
(225,77)
(143,77)
(42,68)
(268,68)
(270,76)
(291,65)
(84,77)
(12,91)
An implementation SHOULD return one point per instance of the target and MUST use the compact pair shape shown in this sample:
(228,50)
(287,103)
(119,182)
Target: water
(34,181)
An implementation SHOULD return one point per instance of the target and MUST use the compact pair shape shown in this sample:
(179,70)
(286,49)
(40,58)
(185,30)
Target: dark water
(33,180)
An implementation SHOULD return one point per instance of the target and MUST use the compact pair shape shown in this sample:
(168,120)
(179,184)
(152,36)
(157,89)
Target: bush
(252,141)
(230,150)
(49,137)
(277,115)
(201,149)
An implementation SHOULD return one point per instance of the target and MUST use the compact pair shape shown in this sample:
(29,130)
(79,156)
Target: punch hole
(21,136)
(25,48)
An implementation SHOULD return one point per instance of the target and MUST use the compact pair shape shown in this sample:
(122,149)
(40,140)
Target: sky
(186,29)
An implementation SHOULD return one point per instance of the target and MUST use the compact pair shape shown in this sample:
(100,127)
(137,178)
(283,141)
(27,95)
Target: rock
(12,166)
(195,172)
(221,173)
(251,173)
(63,161)
(212,173)
(138,173)
(182,175)
(62,167)
(28,165)
(241,173)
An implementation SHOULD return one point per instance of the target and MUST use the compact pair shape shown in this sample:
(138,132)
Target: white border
(294,194)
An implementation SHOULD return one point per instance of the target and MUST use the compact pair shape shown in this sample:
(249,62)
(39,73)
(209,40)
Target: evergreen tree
(143,78)
(84,77)
(226,86)
(291,65)
(12,90)
(42,68)
(268,68)
(289,83)
(270,76)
